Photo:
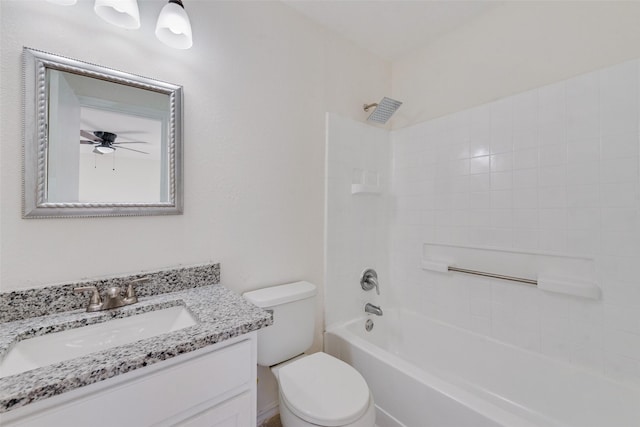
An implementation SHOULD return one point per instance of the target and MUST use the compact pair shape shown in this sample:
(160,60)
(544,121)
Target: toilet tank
(293,326)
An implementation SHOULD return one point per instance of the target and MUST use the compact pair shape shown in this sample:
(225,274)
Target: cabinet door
(235,412)
(151,399)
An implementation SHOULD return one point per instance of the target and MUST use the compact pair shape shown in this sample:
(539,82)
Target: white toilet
(315,390)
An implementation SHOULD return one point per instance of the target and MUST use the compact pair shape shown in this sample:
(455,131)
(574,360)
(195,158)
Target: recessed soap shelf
(365,182)
(365,189)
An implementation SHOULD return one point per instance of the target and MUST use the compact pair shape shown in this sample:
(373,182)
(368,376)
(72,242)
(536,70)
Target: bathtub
(426,373)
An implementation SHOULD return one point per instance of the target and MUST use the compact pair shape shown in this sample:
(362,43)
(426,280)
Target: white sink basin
(65,345)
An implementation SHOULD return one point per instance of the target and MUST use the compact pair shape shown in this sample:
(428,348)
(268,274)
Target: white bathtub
(425,373)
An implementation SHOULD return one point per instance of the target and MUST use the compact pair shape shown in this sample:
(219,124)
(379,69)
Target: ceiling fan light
(64,2)
(122,13)
(174,27)
(103,149)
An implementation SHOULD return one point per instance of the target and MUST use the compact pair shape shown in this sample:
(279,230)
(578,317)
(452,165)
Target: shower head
(384,110)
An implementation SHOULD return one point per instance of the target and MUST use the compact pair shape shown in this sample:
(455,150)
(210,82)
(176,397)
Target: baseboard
(267,413)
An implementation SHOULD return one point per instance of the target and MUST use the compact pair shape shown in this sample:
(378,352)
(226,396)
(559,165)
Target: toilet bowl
(320,390)
(315,390)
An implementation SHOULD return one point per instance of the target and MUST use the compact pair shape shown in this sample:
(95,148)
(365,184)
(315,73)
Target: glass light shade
(64,2)
(173,27)
(122,13)
(103,149)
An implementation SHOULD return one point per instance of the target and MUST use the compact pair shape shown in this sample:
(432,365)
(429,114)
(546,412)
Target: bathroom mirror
(99,142)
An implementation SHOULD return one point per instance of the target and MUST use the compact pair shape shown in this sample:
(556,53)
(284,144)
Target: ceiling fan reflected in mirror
(105,142)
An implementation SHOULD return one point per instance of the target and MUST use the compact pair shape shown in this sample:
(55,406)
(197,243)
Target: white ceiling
(391,28)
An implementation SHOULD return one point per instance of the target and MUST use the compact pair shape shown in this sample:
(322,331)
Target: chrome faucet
(114,297)
(373,309)
(369,280)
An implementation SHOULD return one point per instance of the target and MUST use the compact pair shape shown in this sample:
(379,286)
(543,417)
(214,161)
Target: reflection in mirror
(105,142)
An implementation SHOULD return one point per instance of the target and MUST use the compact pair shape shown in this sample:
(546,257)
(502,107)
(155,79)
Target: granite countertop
(221,314)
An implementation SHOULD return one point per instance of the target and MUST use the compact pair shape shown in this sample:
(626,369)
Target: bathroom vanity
(198,375)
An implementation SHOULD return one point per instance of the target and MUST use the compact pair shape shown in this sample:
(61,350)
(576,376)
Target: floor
(272,422)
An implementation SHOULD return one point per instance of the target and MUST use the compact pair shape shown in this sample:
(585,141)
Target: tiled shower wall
(553,170)
(356,232)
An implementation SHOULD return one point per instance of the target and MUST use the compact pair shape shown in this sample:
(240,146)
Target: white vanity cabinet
(211,387)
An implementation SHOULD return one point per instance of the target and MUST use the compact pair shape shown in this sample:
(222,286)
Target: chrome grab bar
(495,276)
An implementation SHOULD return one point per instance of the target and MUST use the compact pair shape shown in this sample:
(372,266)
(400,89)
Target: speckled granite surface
(17,305)
(221,313)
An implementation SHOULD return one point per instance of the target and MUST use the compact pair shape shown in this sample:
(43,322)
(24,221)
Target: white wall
(119,178)
(511,49)
(555,169)
(257,84)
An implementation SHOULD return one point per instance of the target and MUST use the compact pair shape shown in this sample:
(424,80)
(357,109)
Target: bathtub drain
(368,325)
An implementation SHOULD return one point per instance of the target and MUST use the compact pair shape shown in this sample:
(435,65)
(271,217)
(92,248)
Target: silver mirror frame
(35,149)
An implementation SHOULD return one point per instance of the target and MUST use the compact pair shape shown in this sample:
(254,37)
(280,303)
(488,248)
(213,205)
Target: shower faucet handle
(369,280)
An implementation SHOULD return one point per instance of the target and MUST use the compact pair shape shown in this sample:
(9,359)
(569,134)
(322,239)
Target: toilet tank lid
(281,294)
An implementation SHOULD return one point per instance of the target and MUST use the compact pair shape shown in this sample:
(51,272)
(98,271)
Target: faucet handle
(369,280)
(95,303)
(130,295)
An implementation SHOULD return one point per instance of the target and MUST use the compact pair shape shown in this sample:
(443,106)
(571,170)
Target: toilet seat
(323,390)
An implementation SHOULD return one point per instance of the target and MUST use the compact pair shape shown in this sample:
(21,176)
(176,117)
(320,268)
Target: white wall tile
(555,169)
(621,219)
(502,162)
(555,154)
(525,137)
(619,145)
(525,218)
(620,195)
(619,170)
(501,181)
(502,199)
(583,196)
(480,182)
(584,86)
(480,200)
(583,173)
(553,218)
(583,218)
(583,150)
(552,197)
(553,240)
(585,242)
(619,99)
(525,178)
(501,218)
(583,117)
(526,198)
(479,164)
(525,238)
(525,158)
(552,176)
(525,110)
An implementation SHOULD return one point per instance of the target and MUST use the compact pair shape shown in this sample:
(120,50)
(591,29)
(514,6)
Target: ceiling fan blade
(131,149)
(89,135)
(84,141)
(125,132)
(132,142)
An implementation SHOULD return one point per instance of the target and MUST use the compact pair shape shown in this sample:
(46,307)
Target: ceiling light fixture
(104,149)
(122,13)
(173,27)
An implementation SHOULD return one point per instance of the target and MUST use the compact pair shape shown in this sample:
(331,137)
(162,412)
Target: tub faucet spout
(373,309)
